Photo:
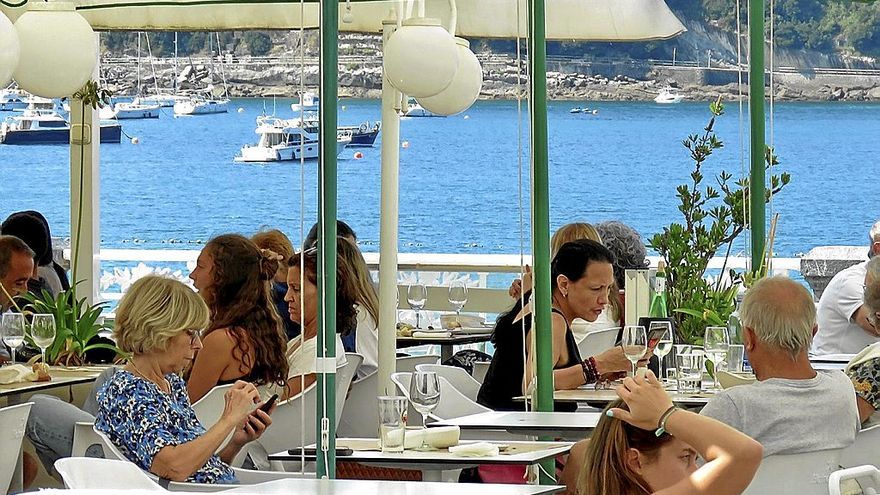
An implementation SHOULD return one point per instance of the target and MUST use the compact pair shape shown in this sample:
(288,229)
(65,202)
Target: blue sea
(460,176)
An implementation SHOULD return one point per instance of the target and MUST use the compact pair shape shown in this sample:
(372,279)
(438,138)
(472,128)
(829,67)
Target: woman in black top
(582,276)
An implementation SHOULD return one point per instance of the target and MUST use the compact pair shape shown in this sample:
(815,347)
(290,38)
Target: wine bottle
(658,299)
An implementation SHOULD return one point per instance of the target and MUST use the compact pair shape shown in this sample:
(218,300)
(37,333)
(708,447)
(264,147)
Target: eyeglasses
(195,335)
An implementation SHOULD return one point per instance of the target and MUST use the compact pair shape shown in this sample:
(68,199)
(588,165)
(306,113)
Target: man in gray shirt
(792,408)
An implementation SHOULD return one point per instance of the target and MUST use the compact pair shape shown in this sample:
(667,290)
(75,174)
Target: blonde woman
(366,336)
(144,408)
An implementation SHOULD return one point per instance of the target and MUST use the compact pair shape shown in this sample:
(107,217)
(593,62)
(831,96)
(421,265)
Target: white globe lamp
(9,50)
(465,87)
(58,50)
(421,58)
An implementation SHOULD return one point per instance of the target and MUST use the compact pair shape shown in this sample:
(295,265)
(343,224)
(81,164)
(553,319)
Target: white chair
(863,450)
(453,404)
(480,370)
(12,423)
(859,475)
(795,474)
(407,364)
(94,473)
(210,407)
(458,377)
(597,342)
(360,417)
(344,375)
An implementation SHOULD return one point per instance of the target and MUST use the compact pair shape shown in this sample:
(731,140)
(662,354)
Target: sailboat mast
(152,63)
(174,83)
(138,66)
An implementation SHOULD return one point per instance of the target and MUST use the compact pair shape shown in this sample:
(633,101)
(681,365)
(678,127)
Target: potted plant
(713,217)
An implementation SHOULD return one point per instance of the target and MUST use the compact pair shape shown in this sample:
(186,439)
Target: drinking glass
(43,332)
(424,393)
(635,344)
(716,342)
(689,371)
(392,423)
(12,326)
(458,294)
(416,296)
(664,345)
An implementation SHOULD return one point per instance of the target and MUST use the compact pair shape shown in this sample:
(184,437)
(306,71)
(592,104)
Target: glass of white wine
(12,331)
(635,344)
(664,345)
(458,295)
(416,296)
(716,342)
(43,332)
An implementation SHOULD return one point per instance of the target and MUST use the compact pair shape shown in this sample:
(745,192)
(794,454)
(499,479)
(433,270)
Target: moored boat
(285,140)
(199,105)
(42,123)
(668,95)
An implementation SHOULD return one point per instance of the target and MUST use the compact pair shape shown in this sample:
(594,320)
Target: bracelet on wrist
(661,424)
(591,374)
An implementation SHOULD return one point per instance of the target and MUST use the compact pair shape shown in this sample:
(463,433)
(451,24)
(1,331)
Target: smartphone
(655,334)
(312,452)
(269,403)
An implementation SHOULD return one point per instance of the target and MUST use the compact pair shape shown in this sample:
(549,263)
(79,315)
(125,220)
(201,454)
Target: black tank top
(504,377)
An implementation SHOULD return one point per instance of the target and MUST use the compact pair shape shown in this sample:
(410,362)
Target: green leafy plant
(76,322)
(94,95)
(713,217)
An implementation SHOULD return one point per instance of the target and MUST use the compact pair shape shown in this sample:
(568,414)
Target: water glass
(392,423)
(424,392)
(417,296)
(735,355)
(12,331)
(689,371)
(716,342)
(43,332)
(635,344)
(458,295)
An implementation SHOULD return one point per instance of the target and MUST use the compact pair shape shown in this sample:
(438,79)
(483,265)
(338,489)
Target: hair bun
(269,263)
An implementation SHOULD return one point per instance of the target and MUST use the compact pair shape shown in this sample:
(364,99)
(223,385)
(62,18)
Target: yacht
(286,140)
(415,110)
(200,105)
(668,95)
(362,136)
(308,102)
(13,99)
(135,109)
(43,122)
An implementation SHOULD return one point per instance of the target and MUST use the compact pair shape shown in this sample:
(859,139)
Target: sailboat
(208,102)
(137,108)
(163,99)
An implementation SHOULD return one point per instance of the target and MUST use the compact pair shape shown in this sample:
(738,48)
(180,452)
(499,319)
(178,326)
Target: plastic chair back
(802,474)
(93,473)
(480,370)
(457,377)
(864,449)
(210,407)
(407,364)
(597,341)
(360,417)
(453,404)
(12,423)
(866,477)
(344,375)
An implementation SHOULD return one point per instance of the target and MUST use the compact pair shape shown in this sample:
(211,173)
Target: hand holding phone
(268,404)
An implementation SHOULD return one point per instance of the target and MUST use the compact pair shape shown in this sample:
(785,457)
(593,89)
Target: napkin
(18,373)
(431,335)
(479,449)
(440,437)
(463,321)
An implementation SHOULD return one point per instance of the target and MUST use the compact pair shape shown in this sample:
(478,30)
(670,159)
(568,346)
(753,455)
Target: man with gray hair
(16,268)
(843,318)
(791,408)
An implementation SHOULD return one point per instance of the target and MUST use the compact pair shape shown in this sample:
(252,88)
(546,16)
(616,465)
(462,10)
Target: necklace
(165,388)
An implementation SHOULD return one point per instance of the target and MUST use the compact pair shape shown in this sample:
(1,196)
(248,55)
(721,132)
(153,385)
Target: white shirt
(580,328)
(366,343)
(838,334)
(303,359)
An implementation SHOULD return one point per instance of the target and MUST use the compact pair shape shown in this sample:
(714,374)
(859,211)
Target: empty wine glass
(458,295)
(424,392)
(12,330)
(664,345)
(416,296)
(43,332)
(635,344)
(716,342)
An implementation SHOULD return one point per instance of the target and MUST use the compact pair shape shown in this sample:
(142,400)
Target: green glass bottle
(658,299)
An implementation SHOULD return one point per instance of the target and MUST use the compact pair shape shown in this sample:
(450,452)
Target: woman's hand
(614,360)
(646,399)
(254,426)
(240,400)
(517,287)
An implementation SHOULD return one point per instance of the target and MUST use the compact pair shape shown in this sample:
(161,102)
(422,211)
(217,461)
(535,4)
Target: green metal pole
(326,465)
(541,323)
(757,205)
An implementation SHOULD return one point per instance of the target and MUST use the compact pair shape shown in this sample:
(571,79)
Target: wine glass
(416,296)
(458,295)
(635,344)
(716,342)
(664,345)
(12,326)
(43,332)
(424,392)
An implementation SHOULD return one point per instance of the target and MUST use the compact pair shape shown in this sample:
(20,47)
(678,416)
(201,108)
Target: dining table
(572,426)
(61,376)
(446,340)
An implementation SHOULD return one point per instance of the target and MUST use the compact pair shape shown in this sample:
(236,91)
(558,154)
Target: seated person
(581,280)
(864,368)
(32,227)
(144,408)
(843,319)
(643,444)
(791,408)
(302,299)
(366,331)
(16,268)
(275,241)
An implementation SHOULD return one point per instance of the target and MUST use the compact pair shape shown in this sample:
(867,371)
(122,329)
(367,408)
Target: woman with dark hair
(245,339)
(31,227)
(644,445)
(302,299)
(366,332)
(581,281)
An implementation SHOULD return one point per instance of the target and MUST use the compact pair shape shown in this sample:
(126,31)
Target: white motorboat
(416,110)
(308,102)
(13,99)
(135,109)
(43,122)
(286,140)
(668,95)
(199,105)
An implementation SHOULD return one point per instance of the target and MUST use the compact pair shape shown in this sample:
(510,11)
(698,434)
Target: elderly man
(843,318)
(792,408)
(16,268)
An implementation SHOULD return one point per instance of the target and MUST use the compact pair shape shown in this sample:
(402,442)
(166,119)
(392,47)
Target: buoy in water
(343,108)
(240,110)
(466,117)
(358,155)
(135,140)
(405,144)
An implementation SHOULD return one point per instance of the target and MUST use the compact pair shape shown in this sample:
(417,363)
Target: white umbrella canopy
(595,20)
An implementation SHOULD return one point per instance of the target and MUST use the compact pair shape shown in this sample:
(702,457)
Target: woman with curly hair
(245,339)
